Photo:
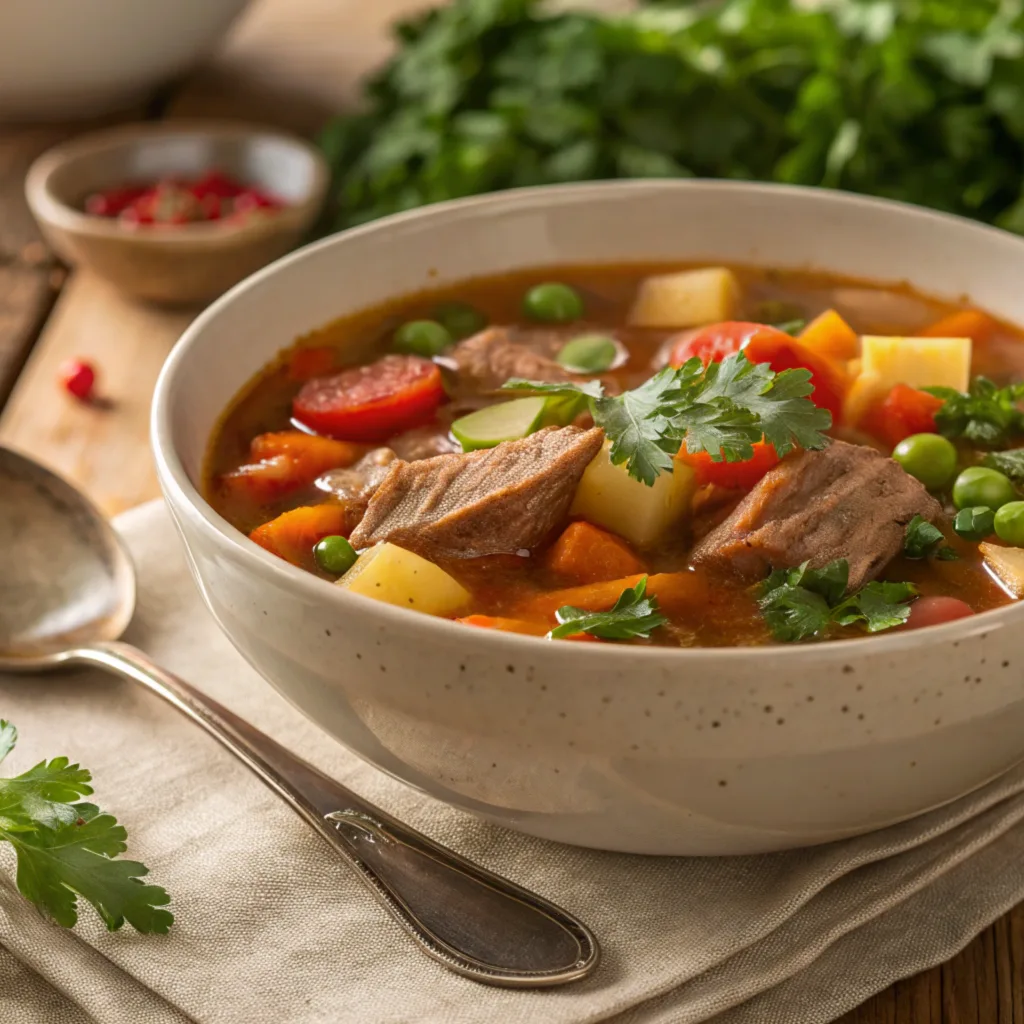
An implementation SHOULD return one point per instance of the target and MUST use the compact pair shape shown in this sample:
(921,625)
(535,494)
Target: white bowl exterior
(644,750)
(64,58)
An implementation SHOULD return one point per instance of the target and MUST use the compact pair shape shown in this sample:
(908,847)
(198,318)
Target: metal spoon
(474,922)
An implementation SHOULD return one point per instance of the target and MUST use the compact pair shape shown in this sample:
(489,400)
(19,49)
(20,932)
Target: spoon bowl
(67,593)
(69,581)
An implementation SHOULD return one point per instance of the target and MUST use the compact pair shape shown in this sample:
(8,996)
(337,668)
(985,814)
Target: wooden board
(103,448)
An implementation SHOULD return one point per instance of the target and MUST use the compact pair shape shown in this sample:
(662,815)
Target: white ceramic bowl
(71,58)
(649,750)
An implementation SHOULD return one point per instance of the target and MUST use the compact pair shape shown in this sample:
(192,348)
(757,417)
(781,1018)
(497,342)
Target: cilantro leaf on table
(985,414)
(722,409)
(67,848)
(634,614)
(923,540)
(802,603)
(1010,463)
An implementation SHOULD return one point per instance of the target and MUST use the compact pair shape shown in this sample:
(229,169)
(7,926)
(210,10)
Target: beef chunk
(358,481)
(424,442)
(498,501)
(847,501)
(488,359)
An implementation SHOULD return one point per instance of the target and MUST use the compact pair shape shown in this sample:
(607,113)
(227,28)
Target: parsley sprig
(1010,463)
(634,614)
(985,414)
(67,848)
(722,409)
(802,603)
(923,540)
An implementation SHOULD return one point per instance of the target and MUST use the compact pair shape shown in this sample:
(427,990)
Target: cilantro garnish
(985,414)
(975,523)
(802,603)
(1010,463)
(66,848)
(722,409)
(634,614)
(923,540)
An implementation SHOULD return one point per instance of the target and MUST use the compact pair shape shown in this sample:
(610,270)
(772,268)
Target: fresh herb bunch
(920,100)
(985,414)
(634,614)
(802,603)
(67,848)
(723,409)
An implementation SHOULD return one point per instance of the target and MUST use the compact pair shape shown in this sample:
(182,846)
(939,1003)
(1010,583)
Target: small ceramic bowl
(176,264)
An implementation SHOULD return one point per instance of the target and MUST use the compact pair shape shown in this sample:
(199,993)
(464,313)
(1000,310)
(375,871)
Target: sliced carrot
(964,323)
(517,626)
(588,554)
(830,335)
(293,535)
(286,461)
(685,591)
(306,363)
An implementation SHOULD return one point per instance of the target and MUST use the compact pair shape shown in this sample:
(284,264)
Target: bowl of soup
(661,517)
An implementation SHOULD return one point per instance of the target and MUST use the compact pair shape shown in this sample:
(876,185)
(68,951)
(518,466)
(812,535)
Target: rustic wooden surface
(288,62)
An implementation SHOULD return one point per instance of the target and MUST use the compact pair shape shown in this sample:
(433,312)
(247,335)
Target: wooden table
(288,62)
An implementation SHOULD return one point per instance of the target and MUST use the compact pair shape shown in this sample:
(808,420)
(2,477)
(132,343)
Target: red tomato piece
(78,378)
(764,344)
(372,403)
(739,476)
(934,611)
(903,412)
(716,342)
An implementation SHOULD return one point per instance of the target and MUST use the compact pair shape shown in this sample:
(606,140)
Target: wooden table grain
(288,62)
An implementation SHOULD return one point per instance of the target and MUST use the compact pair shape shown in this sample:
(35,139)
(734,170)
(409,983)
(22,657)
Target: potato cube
(688,298)
(391,574)
(608,496)
(1007,564)
(918,362)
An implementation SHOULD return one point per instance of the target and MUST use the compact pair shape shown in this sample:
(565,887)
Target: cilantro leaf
(985,414)
(975,523)
(923,539)
(722,409)
(589,388)
(1010,463)
(57,865)
(67,849)
(802,603)
(634,614)
(879,605)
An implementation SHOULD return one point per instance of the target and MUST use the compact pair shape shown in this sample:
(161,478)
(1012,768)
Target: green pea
(1010,523)
(929,457)
(553,303)
(589,353)
(981,486)
(974,523)
(460,319)
(422,338)
(335,555)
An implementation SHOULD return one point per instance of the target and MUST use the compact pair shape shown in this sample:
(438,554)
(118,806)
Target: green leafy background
(921,100)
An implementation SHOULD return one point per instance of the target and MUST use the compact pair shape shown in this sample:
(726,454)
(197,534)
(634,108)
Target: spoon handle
(473,921)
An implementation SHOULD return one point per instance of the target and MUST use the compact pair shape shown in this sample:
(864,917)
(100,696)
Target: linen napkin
(272,927)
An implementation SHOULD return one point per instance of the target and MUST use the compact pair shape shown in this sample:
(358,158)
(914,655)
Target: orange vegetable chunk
(682,591)
(964,323)
(518,626)
(831,335)
(293,535)
(589,554)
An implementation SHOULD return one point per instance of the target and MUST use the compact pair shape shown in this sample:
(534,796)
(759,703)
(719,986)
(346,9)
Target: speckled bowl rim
(184,497)
(50,208)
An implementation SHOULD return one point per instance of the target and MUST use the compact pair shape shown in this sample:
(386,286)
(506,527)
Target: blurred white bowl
(74,58)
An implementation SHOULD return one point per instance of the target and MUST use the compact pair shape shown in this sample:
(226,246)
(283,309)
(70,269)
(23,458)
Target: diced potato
(1008,566)
(918,362)
(686,299)
(391,574)
(608,496)
(865,390)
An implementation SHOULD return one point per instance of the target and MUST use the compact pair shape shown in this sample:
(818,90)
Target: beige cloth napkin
(271,927)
